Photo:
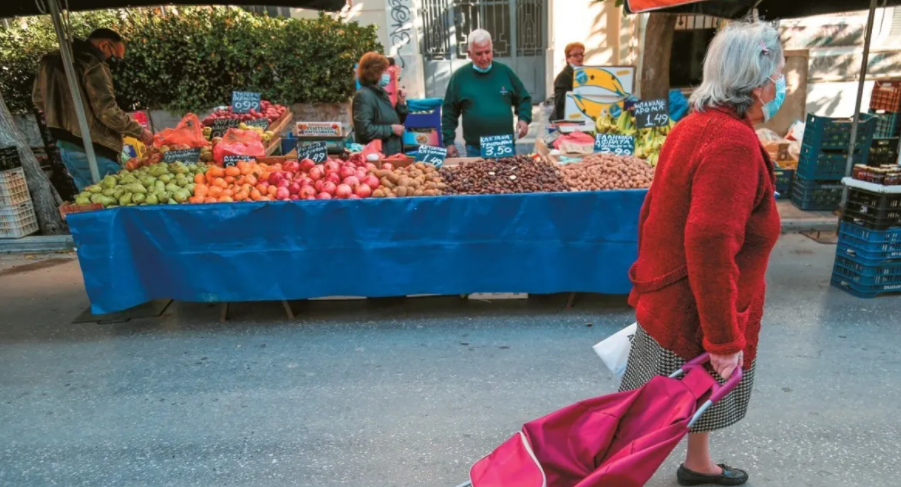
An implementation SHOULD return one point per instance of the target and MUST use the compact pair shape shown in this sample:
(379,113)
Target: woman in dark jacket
(707,227)
(374,116)
(575,57)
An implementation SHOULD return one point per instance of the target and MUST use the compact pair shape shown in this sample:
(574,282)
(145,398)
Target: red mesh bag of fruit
(237,142)
(188,132)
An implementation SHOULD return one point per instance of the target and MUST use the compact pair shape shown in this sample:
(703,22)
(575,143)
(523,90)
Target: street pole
(77,101)
(860,86)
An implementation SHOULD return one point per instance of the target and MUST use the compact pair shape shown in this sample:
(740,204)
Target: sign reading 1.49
(651,113)
(431,155)
(496,146)
(244,101)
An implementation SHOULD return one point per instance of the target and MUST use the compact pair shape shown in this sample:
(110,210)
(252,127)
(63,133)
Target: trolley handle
(719,391)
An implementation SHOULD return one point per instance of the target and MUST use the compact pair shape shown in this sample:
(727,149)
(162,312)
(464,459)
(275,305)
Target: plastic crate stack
(17,218)
(868,257)
(784,178)
(885,106)
(824,160)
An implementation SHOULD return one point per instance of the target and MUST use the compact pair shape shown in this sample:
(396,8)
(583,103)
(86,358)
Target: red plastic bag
(374,147)
(188,132)
(237,142)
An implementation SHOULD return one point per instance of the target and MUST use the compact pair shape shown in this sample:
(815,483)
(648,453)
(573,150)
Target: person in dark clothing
(106,121)
(373,115)
(563,83)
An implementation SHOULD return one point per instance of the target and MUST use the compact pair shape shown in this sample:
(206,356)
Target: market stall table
(526,243)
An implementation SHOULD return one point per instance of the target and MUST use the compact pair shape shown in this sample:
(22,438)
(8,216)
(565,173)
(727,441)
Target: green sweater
(485,101)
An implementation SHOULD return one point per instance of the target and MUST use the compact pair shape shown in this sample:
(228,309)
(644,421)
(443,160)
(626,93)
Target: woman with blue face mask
(374,117)
(563,83)
(706,230)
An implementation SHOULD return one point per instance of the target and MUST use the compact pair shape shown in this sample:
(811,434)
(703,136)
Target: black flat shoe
(730,476)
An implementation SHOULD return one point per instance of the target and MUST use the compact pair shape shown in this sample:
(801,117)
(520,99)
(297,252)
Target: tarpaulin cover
(530,243)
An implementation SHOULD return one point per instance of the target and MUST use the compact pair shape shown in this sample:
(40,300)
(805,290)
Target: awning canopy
(768,9)
(16,8)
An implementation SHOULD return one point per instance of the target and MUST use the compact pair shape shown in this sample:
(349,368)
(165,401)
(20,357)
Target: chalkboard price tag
(221,125)
(232,160)
(497,146)
(184,155)
(244,101)
(262,123)
(651,113)
(431,155)
(314,151)
(619,145)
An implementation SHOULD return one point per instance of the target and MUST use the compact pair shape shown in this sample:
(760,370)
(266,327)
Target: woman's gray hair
(479,36)
(740,59)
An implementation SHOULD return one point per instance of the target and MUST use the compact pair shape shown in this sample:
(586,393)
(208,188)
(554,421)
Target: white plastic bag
(614,350)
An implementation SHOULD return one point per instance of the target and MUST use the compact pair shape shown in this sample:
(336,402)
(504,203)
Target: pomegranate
(343,191)
(363,191)
(388,166)
(282,193)
(308,191)
(331,166)
(351,181)
(292,166)
(318,185)
(316,174)
(333,177)
(306,165)
(353,197)
(329,188)
(294,188)
(347,171)
(372,181)
(283,183)
(294,197)
(275,177)
(324,196)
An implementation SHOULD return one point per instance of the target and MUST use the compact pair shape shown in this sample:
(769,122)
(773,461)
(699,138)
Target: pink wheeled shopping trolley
(618,440)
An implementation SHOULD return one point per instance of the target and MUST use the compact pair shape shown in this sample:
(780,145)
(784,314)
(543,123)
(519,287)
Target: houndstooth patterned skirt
(648,359)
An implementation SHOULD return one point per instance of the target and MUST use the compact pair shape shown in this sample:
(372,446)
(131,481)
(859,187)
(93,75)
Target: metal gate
(518,28)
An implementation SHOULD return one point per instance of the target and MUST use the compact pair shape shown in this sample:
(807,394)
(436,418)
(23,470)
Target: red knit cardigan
(707,228)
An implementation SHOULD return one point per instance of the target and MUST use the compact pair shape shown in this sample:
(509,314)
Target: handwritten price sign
(314,151)
(244,101)
(431,155)
(497,146)
(183,155)
(232,160)
(221,125)
(651,113)
(620,145)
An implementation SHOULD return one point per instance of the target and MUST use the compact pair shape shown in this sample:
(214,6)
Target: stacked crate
(17,218)
(885,107)
(824,159)
(868,257)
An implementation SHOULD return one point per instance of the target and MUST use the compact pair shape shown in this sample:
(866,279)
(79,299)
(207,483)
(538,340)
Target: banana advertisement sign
(596,89)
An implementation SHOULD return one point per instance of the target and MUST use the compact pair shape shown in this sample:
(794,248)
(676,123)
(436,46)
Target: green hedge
(193,58)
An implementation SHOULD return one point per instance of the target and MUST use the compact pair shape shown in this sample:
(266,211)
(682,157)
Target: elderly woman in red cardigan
(707,228)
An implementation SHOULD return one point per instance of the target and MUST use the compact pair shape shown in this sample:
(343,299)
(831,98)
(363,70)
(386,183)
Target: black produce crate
(816,195)
(784,178)
(823,133)
(828,165)
(9,158)
(852,214)
(883,151)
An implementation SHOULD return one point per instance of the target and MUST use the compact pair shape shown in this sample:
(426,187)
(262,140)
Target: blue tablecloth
(531,243)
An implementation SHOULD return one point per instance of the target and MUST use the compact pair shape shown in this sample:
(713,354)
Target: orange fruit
(198,179)
(228,192)
(225,199)
(221,183)
(250,179)
(230,179)
(215,192)
(215,171)
(232,171)
(256,195)
(272,190)
(210,200)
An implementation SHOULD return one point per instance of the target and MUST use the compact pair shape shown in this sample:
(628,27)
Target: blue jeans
(473,151)
(76,162)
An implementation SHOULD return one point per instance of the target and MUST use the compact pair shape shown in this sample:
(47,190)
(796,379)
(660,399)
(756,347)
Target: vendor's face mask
(773,106)
(481,70)
(386,79)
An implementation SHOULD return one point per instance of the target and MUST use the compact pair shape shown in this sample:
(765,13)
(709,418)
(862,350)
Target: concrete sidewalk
(407,393)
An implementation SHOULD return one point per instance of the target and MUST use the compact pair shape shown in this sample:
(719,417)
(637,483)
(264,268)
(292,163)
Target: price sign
(431,155)
(232,160)
(651,113)
(221,125)
(185,155)
(244,101)
(262,123)
(496,146)
(620,145)
(314,151)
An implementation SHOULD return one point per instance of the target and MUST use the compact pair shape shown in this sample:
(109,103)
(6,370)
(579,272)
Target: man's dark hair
(105,34)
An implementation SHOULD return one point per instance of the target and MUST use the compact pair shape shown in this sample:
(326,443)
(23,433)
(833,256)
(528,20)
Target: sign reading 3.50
(496,146)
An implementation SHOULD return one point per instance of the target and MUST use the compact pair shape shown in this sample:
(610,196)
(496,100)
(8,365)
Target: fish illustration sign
(596,89)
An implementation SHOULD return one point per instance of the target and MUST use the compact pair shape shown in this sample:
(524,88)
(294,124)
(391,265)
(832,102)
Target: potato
(379,193)
(430,192)
(386,182)
(392,177)
(401,191)
(418,192)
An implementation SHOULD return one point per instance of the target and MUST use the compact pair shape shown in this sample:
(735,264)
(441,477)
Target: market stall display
(604,171)
(648,141)
(418,179)
(157,184)
(520,174)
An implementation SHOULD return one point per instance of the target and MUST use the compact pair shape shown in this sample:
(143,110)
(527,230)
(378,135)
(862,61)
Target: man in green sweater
(485,93)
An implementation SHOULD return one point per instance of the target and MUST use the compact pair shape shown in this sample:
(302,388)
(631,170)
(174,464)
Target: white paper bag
(614,350)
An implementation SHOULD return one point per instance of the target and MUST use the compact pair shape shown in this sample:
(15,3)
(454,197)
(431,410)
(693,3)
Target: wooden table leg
(223,314)
(571,300)
(288,309)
